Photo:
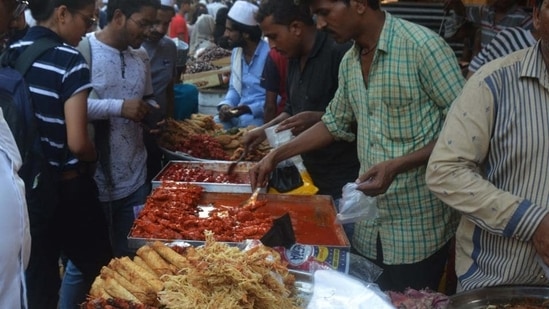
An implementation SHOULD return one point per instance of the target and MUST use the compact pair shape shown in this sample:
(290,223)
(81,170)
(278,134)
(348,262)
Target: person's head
(502,5)
(161,26)
(10,10)
(70,19)
(241,26)
(341,18)
(199,10)
(184,5)
(131,20)
(285,24)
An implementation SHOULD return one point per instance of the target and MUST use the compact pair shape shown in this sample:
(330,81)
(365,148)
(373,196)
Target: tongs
(250,202)
(235,163)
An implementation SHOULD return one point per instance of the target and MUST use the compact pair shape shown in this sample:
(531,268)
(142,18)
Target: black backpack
(16,104)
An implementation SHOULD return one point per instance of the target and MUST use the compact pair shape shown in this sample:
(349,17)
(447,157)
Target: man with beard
(122,96)
(163,55)
(243,104)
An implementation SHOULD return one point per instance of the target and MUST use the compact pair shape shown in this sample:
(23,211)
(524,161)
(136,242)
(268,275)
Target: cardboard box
(207,79)
(222,62)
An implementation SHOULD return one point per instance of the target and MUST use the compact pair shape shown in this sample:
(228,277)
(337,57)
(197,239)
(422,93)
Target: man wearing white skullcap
(243,104)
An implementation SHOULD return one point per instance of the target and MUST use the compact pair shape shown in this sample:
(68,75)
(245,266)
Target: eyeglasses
(143,25)
(90,21)
(20,8)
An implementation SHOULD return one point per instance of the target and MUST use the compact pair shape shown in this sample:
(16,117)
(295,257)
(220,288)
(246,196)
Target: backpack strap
(84,47)
(31,53)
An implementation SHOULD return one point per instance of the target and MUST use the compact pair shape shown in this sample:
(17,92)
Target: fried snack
(155,261)
(118,291)
(220,276)
(141,293)
(139,261)
(97,289)
(135,273)
(170,255)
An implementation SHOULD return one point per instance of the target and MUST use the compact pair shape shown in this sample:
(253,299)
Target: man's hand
(259,173)
(225,113)
(135,109)
(253,138)
(541,239)
(378,178)
(300,122)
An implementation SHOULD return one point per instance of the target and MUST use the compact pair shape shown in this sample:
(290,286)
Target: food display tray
(217,167)
(312,216)
(503,295)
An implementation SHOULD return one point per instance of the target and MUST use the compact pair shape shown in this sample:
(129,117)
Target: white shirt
(117,76)
(15,241)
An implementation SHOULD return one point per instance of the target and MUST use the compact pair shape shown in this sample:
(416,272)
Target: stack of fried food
(200,137)
(212,276)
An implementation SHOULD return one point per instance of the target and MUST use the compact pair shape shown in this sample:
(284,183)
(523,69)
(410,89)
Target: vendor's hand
(259,173)
(225,113)
(300,122)
(241,110)
(541,239)
(377,179)
(253,138)
(135,109)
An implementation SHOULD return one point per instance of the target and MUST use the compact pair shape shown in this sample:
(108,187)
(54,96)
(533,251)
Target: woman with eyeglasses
(64,211)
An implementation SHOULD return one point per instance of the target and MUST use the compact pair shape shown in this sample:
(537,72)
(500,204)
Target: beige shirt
(491,163)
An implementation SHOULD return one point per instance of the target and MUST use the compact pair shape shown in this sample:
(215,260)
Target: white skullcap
(166,3)
(243,12)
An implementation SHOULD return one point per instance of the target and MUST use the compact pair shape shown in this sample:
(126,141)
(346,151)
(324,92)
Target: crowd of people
(456,162)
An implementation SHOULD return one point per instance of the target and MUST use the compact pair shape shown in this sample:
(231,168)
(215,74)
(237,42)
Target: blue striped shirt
(490,163)
(54,77)
(505,42)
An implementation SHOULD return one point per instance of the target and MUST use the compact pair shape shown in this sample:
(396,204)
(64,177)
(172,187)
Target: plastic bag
(290,176)
(355,206)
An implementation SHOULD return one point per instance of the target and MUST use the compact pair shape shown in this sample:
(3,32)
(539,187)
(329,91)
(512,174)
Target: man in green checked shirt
(397,82)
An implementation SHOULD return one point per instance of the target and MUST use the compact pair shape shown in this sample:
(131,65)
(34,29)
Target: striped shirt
(490,163)
(54,77)
(505,42)
(413,80)
(485,17)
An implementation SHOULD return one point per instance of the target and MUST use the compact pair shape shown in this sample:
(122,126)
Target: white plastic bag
(355,206)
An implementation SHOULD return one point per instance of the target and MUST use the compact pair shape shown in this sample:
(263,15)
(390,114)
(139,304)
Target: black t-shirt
(311,90)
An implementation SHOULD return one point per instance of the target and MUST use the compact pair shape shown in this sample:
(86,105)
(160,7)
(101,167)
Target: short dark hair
(284,12)
(41,10)
(373,4)
(253,31)
(128,7)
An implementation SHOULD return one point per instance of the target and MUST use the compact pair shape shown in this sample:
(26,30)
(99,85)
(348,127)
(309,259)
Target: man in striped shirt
(490,163)
(492,18)
(397,82)
(505,42)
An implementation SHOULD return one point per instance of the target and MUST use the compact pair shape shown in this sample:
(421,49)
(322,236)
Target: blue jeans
(120,217)
(73,288)
(349,228)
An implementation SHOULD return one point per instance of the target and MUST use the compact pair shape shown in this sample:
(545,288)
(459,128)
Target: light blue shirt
(252,94)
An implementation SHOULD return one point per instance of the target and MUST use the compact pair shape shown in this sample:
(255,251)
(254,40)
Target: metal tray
(481,298)
(240,171)
(313,217)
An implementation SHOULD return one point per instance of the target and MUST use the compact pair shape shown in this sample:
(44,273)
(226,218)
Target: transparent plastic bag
(355,206)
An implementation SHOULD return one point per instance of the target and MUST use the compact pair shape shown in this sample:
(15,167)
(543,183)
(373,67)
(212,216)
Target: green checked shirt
(413,79)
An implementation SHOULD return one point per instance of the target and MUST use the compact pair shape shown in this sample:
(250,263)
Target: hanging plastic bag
(290,176)
(355,206)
